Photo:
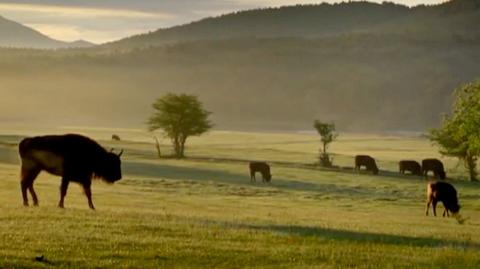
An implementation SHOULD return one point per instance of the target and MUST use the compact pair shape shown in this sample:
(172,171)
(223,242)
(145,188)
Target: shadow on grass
(317,190)
(365,237)
(199,174)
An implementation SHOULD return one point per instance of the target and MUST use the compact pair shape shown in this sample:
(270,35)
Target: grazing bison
(73,157)
(116,137)
(445,193)
(411,166)
(434,165)
(368,162)
(261,167)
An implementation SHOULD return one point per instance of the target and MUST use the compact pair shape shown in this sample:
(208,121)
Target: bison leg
(252,177)
(434,207)
(88,193)
(63,192)
(24,186)
(445,212)
(34,195)
(428,206)
(28,176)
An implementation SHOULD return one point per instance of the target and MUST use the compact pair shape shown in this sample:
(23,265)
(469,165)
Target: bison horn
(120,154)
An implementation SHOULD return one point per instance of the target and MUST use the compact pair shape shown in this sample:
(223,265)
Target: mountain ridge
(317,21)
(16,35)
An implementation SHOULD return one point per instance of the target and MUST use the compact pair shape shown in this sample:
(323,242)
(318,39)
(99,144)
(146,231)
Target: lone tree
(459,135)
(328,135)
(179,116)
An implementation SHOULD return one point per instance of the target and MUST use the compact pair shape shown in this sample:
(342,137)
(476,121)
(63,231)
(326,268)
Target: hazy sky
(106,20)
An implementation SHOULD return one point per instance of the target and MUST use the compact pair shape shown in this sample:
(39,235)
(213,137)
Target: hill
(457,17)
(13,34)
(376,80)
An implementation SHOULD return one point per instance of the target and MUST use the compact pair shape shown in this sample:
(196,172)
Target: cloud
(81,12)
(96,24)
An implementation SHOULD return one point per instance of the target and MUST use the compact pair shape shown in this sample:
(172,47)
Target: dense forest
(457,17)
(365,66)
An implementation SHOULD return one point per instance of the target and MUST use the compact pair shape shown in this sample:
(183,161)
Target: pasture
(203,212)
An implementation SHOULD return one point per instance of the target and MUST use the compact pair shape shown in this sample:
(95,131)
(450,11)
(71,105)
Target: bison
(261,167)
(445,193)
(411,166)
(116,137)
(434,165)
(74,157)
(368,162)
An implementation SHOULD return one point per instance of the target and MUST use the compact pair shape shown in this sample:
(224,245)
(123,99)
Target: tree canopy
(179,116)
(328,135)
(459,135)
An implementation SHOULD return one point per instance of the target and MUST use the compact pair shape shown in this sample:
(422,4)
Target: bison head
(455,208)
(374,169)
(268,177)
(110,167)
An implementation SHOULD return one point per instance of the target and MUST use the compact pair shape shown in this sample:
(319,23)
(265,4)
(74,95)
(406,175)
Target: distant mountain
(81,44)
(459,17)
(16,35)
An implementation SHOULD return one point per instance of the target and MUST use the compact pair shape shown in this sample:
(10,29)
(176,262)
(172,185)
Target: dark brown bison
(116,137)
(73,157)
(261,167)
(368,162)
(434,165)
(445,193)
(410,166)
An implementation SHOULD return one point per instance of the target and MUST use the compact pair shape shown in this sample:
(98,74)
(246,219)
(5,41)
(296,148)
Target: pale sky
(106,20)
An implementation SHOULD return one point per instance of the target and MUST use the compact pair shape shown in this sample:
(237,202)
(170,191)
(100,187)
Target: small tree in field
(179,116)
(328,135)
(459,135)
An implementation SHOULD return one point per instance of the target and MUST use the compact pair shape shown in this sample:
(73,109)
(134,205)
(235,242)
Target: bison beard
(73,157)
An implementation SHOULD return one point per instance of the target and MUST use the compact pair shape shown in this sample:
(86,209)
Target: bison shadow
(364,237)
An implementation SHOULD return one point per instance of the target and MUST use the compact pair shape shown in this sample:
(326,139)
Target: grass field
(204,212)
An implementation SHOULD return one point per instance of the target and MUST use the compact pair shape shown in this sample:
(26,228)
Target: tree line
(181,116)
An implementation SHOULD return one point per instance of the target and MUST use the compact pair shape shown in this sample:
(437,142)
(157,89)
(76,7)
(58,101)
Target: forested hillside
(457,17)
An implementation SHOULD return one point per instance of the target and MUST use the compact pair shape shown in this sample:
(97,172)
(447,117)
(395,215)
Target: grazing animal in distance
(368,162)
(411,166)
(442,192)
(261,167)
(75,158)
(116,137)
(434,165)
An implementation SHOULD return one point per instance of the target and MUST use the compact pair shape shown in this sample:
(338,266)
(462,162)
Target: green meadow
(203,212)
